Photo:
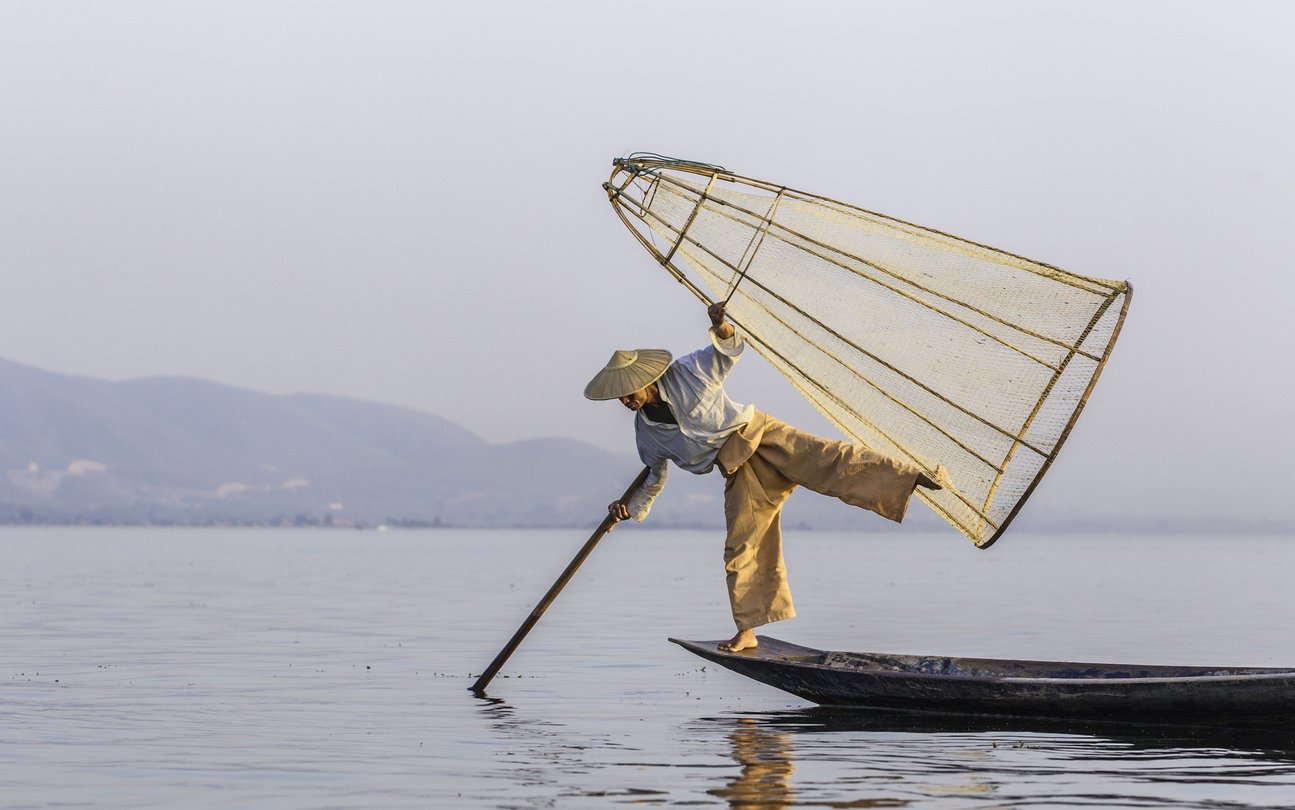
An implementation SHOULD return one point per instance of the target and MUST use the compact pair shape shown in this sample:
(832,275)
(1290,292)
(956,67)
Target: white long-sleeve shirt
(693,387)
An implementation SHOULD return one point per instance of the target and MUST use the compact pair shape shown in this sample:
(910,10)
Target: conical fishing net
(916,343)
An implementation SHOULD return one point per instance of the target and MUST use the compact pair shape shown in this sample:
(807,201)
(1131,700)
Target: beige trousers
(763,463)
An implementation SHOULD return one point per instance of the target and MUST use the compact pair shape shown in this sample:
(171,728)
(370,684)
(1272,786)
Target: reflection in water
(822,758)
(1274,744)
(532,751)
(764,752)
(494,708)
(896,759)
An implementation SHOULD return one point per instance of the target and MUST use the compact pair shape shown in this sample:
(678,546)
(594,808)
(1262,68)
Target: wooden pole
(480,686)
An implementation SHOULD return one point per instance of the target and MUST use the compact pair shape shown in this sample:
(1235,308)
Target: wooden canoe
(1240,697)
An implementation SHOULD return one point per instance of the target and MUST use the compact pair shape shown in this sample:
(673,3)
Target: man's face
(639,398)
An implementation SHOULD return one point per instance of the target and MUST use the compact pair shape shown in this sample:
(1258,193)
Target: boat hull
(1247,697)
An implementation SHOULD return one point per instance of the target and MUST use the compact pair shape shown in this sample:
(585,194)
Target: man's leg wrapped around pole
(757,577)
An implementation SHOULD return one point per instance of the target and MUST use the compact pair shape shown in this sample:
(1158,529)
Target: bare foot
(940,481)
(744,640)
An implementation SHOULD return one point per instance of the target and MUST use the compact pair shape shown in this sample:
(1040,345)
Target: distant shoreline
(1196,529)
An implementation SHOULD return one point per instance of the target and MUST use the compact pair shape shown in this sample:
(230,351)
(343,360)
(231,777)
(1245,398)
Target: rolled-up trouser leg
(757,577)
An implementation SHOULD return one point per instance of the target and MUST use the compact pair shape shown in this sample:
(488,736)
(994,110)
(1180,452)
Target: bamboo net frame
(914,342)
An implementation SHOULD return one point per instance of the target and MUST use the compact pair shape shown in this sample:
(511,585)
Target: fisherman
(683,415)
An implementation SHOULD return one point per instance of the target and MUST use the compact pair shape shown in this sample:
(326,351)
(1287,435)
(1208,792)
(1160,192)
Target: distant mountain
(178,450)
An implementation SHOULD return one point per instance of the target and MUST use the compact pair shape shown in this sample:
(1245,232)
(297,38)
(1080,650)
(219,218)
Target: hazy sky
(401,201)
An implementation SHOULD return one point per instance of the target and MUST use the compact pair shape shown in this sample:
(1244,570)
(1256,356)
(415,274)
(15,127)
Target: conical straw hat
(627,372)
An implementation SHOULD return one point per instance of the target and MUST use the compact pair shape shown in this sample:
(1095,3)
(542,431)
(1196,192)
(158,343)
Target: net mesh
(918,344)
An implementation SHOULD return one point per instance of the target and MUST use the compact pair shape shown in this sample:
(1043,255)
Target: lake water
(327,668)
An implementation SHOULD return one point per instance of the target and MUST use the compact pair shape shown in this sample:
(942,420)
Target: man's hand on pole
(618,513)
(723,329)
